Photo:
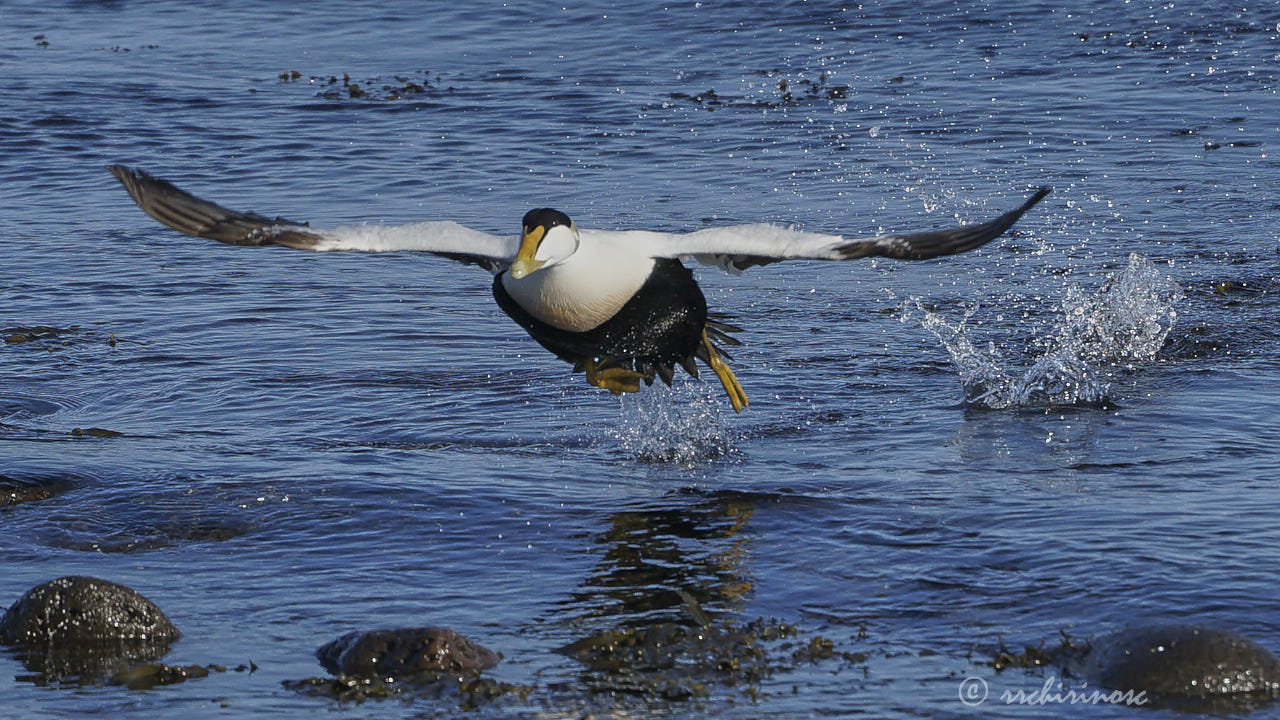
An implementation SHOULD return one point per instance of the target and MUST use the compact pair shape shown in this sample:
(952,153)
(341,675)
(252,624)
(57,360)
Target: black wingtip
(132,179)
(1041,194)
(1006,221)
(926,245)
(122,171)
(190,215)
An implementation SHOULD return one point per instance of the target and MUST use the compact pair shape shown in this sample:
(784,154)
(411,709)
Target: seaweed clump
(466,691)
(790,92)
(150,675)
(1037,656)
(376,89)
(42,336)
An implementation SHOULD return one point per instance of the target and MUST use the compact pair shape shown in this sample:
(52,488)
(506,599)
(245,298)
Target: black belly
(661,325)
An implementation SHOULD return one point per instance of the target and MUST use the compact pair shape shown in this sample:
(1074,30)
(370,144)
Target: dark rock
(1181,661)
(94,432)
(404,652)
(85,628)
(77,609)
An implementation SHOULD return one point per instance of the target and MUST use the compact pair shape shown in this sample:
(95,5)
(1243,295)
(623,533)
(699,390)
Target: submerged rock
(1181,661)
(86,628)
(14,491)
(404,652)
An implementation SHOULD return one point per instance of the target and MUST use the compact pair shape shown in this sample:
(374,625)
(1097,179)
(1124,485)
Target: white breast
(587,288)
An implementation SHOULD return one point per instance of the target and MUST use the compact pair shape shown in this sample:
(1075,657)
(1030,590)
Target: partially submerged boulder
(86,628)
(404,652)
(77,609)
(1183,661)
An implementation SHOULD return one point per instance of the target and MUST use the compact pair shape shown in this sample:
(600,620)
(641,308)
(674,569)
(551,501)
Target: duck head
(549,237)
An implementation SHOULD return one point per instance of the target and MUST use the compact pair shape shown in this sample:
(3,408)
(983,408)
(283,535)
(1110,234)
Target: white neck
(588,287)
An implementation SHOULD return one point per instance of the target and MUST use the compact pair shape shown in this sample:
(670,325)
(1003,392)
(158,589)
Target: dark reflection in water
(86,663)
(659,618)
(656,558)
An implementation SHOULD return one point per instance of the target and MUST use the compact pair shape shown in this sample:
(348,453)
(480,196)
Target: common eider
(620,305)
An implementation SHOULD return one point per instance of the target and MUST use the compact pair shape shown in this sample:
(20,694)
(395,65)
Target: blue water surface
(302,445)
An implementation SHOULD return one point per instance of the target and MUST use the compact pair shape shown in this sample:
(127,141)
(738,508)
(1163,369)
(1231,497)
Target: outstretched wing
(739,247)
(188,214)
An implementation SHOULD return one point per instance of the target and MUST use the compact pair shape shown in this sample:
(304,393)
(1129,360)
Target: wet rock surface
(83,609)
(404,652)
(1182,661)
(1183,667)
(84,628)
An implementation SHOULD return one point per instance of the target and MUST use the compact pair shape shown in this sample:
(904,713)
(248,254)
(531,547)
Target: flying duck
(620,305)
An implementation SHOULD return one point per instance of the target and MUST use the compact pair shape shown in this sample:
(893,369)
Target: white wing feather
(442,236)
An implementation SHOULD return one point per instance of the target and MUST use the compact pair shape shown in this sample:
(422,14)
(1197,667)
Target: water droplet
(1122,323)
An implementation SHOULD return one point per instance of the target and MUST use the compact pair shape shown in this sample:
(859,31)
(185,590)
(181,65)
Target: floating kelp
(42,335)
(374,89)
(150,675)
(1034,656)
(467,691)
(775,91)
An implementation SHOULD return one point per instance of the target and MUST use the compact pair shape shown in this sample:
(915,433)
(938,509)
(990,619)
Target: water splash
(1121,324)
(681,425)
